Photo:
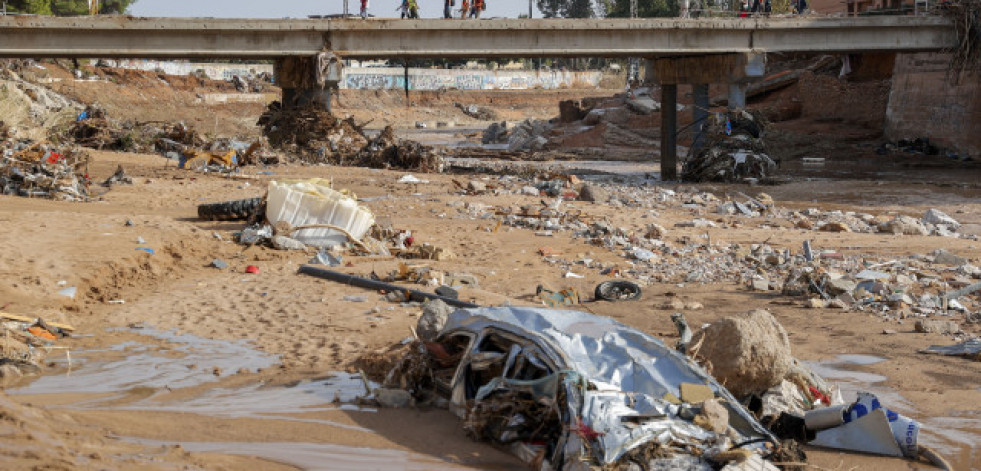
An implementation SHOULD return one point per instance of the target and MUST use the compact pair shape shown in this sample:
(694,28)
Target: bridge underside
(203,38)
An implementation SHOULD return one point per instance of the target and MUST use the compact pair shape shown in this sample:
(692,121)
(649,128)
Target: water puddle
(257,401)
(316,456)
(186,360)
(852,382)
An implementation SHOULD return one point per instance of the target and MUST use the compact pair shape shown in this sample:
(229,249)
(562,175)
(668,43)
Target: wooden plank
(31,320)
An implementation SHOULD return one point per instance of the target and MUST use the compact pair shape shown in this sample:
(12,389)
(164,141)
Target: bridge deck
(192,38)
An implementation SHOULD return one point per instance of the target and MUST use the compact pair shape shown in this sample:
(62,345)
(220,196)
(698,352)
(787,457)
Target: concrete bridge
(680,51)
(200,38)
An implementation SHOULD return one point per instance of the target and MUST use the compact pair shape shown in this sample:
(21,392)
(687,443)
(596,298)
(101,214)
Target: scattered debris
(734,150)
(864,426)
(25,343)
(617,290)
(551,298)
(314,135)
(343,278)
(970,349)
(477,112)
(315,213)
(33,170)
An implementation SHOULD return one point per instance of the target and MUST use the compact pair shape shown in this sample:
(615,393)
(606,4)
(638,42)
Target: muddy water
(183,360)
(955,438)
(318,456)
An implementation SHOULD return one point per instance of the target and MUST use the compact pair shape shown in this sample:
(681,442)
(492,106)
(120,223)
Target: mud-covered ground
(254,371)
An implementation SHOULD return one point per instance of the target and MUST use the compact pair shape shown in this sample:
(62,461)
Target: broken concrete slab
(935,216)
(937,326)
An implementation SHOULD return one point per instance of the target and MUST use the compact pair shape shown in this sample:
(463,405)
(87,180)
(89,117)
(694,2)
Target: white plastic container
(304,202)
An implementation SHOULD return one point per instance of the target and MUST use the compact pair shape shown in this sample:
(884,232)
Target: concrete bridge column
(737,95)
(297,78)
(669,121)
(700,114)
(669,132)
(734,69)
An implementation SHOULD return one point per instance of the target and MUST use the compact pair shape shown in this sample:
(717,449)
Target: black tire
(617,291)
(237,210)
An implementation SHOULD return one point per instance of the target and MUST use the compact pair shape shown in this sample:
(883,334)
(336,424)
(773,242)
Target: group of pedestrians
(410,8)
(473,8)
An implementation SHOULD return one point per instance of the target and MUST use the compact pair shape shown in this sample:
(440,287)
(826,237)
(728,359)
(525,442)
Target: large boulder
(594,193)
(904,225)
(434,315)
(749,354)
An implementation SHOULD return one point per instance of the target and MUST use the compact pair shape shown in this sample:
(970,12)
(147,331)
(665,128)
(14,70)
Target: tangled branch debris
(735,150)
(314,135)
(966,15)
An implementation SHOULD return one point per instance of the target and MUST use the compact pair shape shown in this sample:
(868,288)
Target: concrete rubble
(895,289)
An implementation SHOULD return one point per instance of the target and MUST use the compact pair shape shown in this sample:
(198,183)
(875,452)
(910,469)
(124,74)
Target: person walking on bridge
(413,9)
(465,10)
(404,7)
(477,7)
(448,8)
(364,9)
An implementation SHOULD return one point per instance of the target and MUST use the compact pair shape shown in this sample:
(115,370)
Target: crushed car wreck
(573,391)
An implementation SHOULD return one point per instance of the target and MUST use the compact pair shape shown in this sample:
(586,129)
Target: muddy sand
(203,368)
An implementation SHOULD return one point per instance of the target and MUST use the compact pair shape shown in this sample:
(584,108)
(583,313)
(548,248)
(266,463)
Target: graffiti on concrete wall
(443,79)
(212,71)
(369,81)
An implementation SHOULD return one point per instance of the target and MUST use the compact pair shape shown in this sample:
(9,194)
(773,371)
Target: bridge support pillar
(669,132)
(737,95)
(297,77)
(700,115)
(734,69)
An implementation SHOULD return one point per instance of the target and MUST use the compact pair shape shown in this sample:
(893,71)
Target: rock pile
(529,135)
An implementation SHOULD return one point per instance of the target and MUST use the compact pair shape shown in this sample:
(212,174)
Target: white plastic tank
(306,202)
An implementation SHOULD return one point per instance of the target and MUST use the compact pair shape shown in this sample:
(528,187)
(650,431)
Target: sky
(304,8)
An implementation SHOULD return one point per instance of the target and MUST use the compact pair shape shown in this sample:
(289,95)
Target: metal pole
(414,295)
(529,9)
(345,8)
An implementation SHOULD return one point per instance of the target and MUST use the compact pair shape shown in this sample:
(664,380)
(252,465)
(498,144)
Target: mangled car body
(573,391)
